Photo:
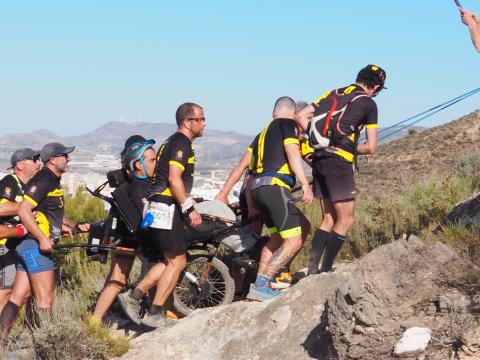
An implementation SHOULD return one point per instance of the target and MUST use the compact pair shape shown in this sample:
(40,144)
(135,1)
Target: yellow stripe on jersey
(371,126)
(56,192)
(349,89)
(261,147)
(345,154)
(191,160)
(291,141)
(324,96)
(177,164)
(30,200)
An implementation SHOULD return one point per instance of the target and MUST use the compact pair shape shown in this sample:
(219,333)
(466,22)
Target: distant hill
(213,149)
(419,156)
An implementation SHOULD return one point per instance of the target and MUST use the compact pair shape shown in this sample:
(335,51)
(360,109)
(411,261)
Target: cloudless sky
(70,67)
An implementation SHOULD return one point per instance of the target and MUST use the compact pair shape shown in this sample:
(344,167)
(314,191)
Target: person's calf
(334,244)
(7,320)
(319,242)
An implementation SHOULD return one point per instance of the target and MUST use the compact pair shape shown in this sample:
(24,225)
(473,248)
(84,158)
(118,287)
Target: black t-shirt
(137,192)
(177,151)
(268,149)
(361,112)
(11,190)
(46,194)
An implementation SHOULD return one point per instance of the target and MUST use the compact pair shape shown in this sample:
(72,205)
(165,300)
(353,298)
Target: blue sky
(72,66)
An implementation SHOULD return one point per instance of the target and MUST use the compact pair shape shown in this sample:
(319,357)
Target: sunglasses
(62,155)
(202,119)
(33,158)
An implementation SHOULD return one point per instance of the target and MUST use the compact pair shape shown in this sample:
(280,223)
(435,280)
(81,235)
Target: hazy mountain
(215,149)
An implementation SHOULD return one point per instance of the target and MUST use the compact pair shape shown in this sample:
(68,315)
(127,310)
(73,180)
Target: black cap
(53,149)
(22,154)
(373,75)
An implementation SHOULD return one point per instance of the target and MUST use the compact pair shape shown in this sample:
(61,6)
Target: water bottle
(147,221)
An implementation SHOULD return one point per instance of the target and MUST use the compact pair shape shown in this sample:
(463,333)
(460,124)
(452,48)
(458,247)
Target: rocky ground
(360,311)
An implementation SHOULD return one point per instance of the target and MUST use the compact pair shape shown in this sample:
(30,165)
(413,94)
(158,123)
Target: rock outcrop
(467,212)
(360,311)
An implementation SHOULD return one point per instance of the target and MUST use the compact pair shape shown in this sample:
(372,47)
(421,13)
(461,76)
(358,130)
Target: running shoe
(282,280)
(131,307)
(262,293)
(156,320)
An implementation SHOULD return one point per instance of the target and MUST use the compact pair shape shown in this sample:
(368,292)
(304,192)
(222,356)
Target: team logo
(179,154)
(8,191)
(33,188)
(296,131)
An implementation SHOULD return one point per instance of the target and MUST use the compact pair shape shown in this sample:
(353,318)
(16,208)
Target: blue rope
(429,112)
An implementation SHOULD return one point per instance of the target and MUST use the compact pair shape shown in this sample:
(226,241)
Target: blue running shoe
(262,293)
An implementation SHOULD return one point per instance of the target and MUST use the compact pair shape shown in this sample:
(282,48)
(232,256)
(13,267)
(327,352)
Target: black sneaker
(131,307)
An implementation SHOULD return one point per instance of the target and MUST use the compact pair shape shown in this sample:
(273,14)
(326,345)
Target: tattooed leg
(283,255)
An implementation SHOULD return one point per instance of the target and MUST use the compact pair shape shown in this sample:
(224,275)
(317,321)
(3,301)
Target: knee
(327,222)
(346,222)
(296,244)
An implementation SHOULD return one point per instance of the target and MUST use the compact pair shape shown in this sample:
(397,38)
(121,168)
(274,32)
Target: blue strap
(288,179)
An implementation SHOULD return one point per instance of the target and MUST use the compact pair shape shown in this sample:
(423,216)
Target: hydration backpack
(325,128)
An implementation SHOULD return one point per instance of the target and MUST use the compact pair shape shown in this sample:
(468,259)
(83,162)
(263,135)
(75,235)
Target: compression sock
(261,280)
(137,294)
(156,309)
(318,245)
(7,319)
(334,244)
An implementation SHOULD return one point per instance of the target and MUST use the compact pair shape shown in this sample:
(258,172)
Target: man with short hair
(473,22)
(42,213)
(276,166)
(25,163)
(171,207)
(333,165)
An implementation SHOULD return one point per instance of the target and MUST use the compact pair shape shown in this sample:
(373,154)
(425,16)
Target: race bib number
(162,215)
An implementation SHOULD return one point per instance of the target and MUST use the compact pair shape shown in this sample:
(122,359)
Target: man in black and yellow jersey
(276,167)
(333,166)
(42,213)
(25,163)
(284,278)
(171,208)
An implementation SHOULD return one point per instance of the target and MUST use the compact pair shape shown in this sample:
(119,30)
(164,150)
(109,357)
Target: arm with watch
(183,199)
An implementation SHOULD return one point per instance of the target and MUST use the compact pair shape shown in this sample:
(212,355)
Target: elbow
(372,149)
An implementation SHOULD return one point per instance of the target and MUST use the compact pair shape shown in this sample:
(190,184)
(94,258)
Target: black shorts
(333,178)
(172,242)
(277,210)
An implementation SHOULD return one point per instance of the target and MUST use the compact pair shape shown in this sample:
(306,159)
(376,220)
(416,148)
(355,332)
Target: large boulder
(467,212)
(360,311)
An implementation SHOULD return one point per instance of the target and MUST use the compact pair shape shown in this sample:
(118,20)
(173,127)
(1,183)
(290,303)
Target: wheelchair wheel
(203,285)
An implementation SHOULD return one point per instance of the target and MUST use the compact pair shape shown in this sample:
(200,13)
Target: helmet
(372,75)
(135,146)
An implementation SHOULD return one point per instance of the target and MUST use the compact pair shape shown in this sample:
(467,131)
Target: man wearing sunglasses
(25,163)
(42,213)
(334,122)
(172,207)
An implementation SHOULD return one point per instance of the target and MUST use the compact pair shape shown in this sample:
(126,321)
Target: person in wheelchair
(138,161)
